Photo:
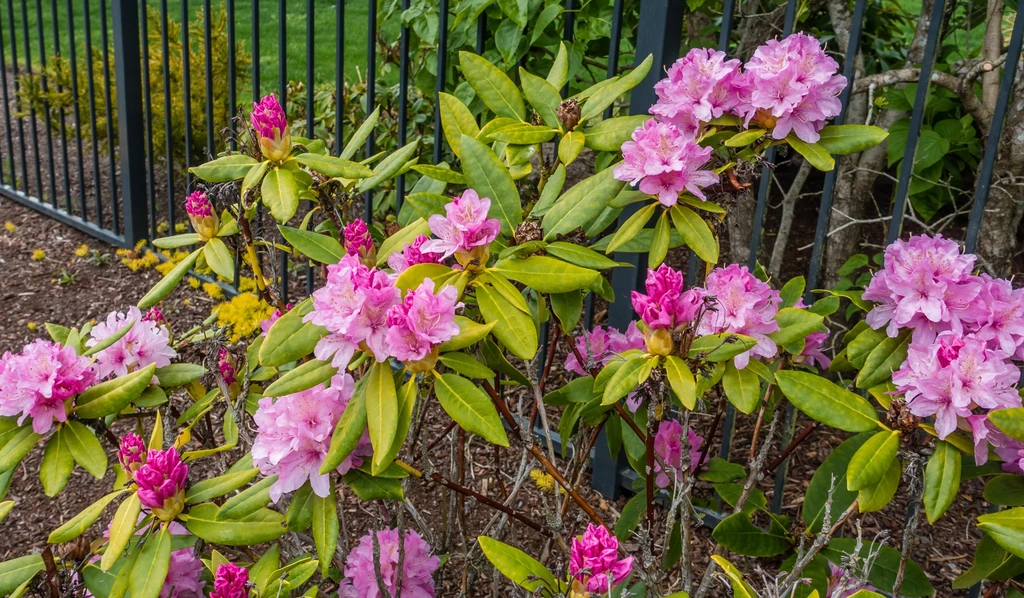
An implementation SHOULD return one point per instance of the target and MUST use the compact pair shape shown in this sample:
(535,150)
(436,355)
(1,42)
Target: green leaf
(219,486)
(17,571)
(85,447)
(841,140)
(490,178)
(823,401)
(696,233)
(814,153)
(580,256)
(467,366)
(381,409)
(522,569)
(56,466)
(794,325)
(169,281)
(317,247)
(740,588)
(604,97)
(515,329)
(178,374)
(122,529)
(390,167)
(742,388)
(17,443)
(261,526)
(583,202)
(368,487)
(110,340)
(1005,490)
(559,72)
(522,134)
(872,460)
(659,242)
(745,138)
(626,378)
(219,258)
(457,121)
(334,167)
(630,516)
(470,408)
(884,567)
(495,359)
(110,397)
(631,227)
(280,193)
(5,509)
(406,405)
(355,143)
(348,432)
(720,347)
(441,172)
(1010,421)
(470,333)
(290,338)
(542,95)
(547,275)
(549,195)
(247,501)
(878,496)
(303,377)
(77,525)
(609,134)
(224,169)
(567,307)
(883,360)
(1006,528)
(942,480)
(300,511)
(399,240)
(325,528)
(497,91)
(570,146)
(680,378)
(834,466)
(738,534)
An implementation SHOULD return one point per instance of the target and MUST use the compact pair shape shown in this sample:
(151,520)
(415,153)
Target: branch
(440,479)
(961,86)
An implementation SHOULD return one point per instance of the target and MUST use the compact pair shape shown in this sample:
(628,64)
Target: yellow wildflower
(38,255)
(193,282)
(181,227)
(163,227)
(246,284)
(543,480)
(31,325)
(82,251)
(213,290)
(242,315)
(136,262)
(10,227)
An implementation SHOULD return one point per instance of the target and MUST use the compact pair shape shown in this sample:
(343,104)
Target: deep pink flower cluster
(413,254)
(465,230)
(418,566)
(230,582)
(421,322)
(666,305)
(131,453)
(358,241)
(594,561)
(699,87)
(271,124)
(148,341)
(161,481)
(741,304)
(601,345)
(294,435)
(198,204)
(668,445)
(842,584)
(226,366)
(40,381)
(665,162)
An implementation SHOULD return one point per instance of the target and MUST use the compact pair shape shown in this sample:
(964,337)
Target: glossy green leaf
(879,495)
(85,448)
(247,501)
(720,347)
(226,168)
(389,167)
(884,566)
(630,516)
(178,374)
(400,239)
(325,528)
(742,388)
(356,142)
(1010,421)
(583,202)
(497,91)
(219,486)
(814,153)
(834,467)
(547,275)
(442,172)
(826,402)
(381,409)
(515,329)
(348,432)
(467,365)
(626,378)
(794,325)
(841,140)
(334,167)
(261,526)
(470,407)
(122,529)
(368,487)
(456,121)
(737,534)
(872,460)
(280,193)
(883,360)
(740,588)
(302,377)
(681,379)
(695,233)
(609,134)
(567,307)
(470,333)
(659,242)
(745,138)
(169,281)
(110,397)
(631,227)
(543,96)
(77,525)
(570,146)
(219,258)
(289,338)
(56,466)
(519,567)
(317,247)
(603,98)
(942,480)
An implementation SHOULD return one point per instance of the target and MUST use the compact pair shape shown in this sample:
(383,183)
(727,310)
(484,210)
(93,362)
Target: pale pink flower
(698,88)
(997,315)
(464,227)
(600,345)
(271,124)
(812,353)
(418,566)
(147,342)
(665,162)
(741,304)
(131,453)
(594,560)
(41,381)
(422,321)
(294,435)
(411,255)
(161,481)
(668,445)
(230,582)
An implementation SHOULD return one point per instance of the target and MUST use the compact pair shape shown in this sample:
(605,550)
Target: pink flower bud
(202,216)
(359,243)
(594,561)
(270,122)
(226,365)
(230,582)
(161,482)
(154,315)
(132,454)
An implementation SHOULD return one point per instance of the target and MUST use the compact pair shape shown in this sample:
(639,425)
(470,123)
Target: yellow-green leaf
(169,281)
(470,407)
(381,409)
(696,233)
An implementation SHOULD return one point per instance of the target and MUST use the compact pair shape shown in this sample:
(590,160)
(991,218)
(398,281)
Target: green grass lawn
(323,51)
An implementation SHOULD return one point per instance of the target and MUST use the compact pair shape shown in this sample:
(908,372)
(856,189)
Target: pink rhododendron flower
(926,284)
(353,307)
(741,304)
(155,315)
(230,582)
(294,434)
(666,304)
(601,345)
(954,375)
(132,453)
(226,366)
(464,229)
(790,85)
(997,315)
(161,481)
(271,124)
(665,162)
(411,255)
(668,445)
(842,584)
(594,561)
(40,381)
(359,243)
(418,566)
(1012,454)
(267,323)
(201,214)
(146,342)
(422,321)
(699,87)
(812,353)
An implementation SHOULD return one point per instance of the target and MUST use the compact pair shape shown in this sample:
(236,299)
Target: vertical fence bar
(46,104)
(371,92)
(186,82)
(7,114)
(232,82)
(211,142)
(132,153)
(310,121)
(916,120)
(168,142)
(76,108)
(569,33)
(339,74)
(403,103)
(282,82)
(148,102)
(615,36)
(115,214)
(995,131)
(91,89)
(442,67)
(31,108)
(255,50)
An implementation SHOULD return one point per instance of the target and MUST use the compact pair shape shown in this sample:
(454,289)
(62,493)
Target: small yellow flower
(31,325)
(213,290)
(181,227)
(38,255)
(193,282)
(82,251)
(187,301)
(242,315)
(543,480)
(10,227)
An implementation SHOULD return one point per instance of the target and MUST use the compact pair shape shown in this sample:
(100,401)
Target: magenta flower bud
(359,243)
(271,124)
(226,365)
(132,454)
(594,562)
(230,582)
(202,216)
(161,483)
(154,315)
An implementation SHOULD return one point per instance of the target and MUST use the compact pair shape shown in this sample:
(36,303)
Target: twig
(792,445)
(490,502)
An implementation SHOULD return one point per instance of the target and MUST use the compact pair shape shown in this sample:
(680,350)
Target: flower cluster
(413,254)
(421,322)
(148,341)
(666,305)
(418,566)
(594,561)
(699,87)
(39,382)
(359,243)
(741,304)
(230,582)
(226,366)
(294,435)
(161,481)
(664,161)
(668,445)
(464,231)
(270,123)
(601,345)
(131,453)
(201,214)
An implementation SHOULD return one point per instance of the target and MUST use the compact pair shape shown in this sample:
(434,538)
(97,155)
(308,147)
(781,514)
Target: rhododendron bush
(489,254)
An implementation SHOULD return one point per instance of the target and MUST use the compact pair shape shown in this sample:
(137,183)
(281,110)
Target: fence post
(131,144)
(659,33)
